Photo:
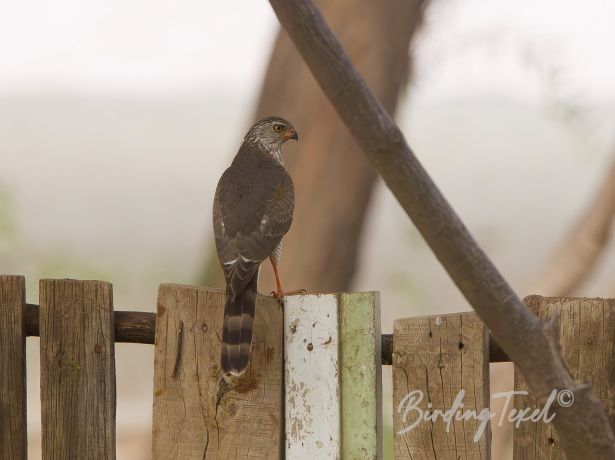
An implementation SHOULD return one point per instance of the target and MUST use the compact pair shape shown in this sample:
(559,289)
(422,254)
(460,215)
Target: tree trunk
(333,180)
(577,255)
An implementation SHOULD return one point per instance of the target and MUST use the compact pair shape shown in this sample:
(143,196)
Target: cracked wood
(197,415)
(440,356)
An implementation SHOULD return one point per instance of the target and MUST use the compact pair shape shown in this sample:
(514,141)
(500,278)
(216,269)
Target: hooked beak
(291,134)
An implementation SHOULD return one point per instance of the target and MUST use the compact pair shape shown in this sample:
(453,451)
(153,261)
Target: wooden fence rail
(313,387)
(140,327)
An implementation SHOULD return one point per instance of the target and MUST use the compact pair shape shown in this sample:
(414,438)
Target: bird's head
(272,132)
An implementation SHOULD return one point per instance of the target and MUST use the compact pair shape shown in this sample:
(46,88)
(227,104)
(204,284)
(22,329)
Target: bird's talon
(280,294)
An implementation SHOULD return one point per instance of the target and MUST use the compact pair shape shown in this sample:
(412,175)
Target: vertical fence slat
(435,358)
(13,443)
(360,375)
(194,416)
(587,339)
(77,369)
(312,377)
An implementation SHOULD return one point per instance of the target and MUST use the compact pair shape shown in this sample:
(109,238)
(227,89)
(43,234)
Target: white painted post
(312,396)
(333,376)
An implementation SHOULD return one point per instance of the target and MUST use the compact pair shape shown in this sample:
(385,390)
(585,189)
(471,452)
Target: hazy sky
(133,45)
(139,46)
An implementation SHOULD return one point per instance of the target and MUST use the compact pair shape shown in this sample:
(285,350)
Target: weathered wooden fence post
(331,361)
(195,417)
(13,444)
(435,360)
(77,369)
(332,376)
(587,339)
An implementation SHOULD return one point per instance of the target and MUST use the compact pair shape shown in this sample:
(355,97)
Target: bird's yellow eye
(278,128)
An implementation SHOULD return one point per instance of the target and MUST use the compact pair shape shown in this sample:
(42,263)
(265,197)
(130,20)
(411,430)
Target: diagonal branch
(531,343)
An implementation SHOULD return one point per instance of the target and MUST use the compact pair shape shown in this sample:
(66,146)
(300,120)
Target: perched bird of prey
(253,210)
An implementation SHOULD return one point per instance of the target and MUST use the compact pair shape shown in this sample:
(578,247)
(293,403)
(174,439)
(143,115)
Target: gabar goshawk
(253,210)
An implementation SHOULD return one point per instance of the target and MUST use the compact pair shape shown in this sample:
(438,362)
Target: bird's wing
(253,209)
(225,241)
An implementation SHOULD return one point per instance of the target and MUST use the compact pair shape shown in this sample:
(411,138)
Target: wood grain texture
(439,356)
(587,338)
(13,442)
(360,375)
(195,415)
(77,369)
(312,393)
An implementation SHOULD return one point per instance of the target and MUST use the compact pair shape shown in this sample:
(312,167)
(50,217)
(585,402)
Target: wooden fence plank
(312,393)
(13,443)
(195,415)
(360,375)
(587,338)
(77,369)
(435,359)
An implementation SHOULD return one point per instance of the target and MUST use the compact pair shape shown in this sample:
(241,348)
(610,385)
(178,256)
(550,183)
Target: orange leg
(279,292)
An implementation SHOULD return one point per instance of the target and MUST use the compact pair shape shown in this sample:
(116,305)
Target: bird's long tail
(237,329)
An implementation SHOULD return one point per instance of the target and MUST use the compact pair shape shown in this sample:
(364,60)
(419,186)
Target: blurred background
(118,118)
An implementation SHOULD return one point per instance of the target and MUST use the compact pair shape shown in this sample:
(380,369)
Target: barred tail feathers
(237,329)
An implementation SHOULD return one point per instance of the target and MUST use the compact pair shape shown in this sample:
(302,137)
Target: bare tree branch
(577,255)
(531,343)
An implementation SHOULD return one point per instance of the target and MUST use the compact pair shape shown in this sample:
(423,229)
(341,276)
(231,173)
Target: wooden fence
(313,388)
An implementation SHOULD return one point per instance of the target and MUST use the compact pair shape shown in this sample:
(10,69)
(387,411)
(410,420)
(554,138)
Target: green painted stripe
(360,375)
